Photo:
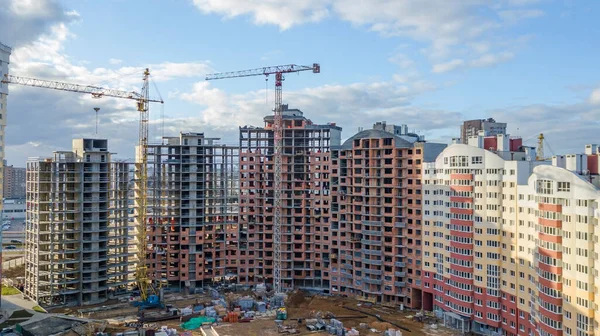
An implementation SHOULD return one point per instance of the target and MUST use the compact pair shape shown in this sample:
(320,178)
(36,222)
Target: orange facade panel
(468,177)
(550,238)
(461,211)
(459,199)
(550,222)
(461,188)
(550,207)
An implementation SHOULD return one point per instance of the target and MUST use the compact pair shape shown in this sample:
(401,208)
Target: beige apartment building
(511,243)
(76,249)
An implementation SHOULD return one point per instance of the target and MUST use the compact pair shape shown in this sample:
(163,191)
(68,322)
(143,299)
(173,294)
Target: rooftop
(377,134)
(51,325)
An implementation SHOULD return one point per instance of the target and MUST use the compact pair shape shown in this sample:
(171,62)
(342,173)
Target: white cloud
(485,60)
(444,25)
(480,47)
(566,127)
(115,61)
(61,116)
(491,59)
(448,66)
(45,58)
(595,97)
(516,15)
(268,11)
(402,60)
(352,105)
(24,20)
(523,2)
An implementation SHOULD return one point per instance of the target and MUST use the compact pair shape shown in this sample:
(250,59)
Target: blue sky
(427,63)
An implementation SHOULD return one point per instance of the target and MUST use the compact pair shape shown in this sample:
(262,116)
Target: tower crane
(148,292)
(540,148)
(279,72)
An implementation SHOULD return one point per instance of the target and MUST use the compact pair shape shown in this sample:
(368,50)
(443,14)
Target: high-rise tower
(306,178)
(76,226)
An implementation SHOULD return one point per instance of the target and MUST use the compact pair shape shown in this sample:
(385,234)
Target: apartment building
(76,249)
(377,216)
(306,217)
(510,243)
(489,126)
(14,181)
(193,211)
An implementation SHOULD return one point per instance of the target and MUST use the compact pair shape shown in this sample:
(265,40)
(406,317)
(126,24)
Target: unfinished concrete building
(306,180)
(193,210)
(377,215)
(76,226)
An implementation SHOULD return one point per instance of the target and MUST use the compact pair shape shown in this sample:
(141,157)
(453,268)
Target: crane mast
(144,282)
(278,71)
(142,100)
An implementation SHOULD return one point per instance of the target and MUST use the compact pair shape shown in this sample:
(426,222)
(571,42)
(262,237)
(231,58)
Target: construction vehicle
(149,294)
(279,72)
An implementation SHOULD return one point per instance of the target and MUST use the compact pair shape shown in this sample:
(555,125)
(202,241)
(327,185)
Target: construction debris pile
(259,312)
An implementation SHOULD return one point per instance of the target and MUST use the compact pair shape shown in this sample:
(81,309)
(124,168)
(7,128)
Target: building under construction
(377,215)
(193,209)
(76,226)
(306,199)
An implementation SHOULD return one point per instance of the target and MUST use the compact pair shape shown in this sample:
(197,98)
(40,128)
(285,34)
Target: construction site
(199,237)
(256,312)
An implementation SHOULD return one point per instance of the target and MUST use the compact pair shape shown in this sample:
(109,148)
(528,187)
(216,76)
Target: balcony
(373,281)
(400,225)
(371,242)
(400,284)
(372,223)
(372,252)
(372,271)
(400,264)
(372,261)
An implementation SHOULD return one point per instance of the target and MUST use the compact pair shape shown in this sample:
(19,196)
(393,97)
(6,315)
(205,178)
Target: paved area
(10,303)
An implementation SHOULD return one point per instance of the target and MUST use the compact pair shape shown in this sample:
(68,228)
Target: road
(208,331)
(14,233)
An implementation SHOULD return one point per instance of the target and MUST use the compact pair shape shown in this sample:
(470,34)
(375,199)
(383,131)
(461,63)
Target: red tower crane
(278,71)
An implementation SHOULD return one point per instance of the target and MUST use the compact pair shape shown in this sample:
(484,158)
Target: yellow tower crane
(540,149)
(148,292)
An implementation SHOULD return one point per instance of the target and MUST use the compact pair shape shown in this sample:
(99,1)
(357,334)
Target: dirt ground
(301,306)
(14,272)
(298,305)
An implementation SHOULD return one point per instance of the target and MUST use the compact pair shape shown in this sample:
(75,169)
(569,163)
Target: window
(476,159)
(564,186)
(459,161)
(544,187)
